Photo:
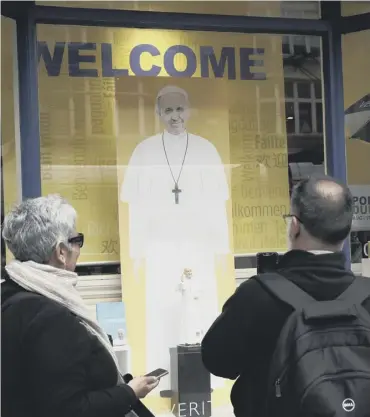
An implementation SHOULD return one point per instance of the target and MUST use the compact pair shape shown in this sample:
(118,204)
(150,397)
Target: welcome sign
(249,59)
(78,82)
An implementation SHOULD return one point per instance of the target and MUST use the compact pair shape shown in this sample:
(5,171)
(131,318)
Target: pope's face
(174,112)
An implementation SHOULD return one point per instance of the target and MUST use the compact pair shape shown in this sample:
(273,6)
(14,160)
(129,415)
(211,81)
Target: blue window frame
(330,27)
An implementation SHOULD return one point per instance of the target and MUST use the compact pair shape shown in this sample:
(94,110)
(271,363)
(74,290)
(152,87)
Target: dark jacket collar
(299,258)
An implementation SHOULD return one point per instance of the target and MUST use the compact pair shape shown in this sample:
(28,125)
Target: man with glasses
(241,342)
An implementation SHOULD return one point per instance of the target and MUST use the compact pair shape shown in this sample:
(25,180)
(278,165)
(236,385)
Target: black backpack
(321,364)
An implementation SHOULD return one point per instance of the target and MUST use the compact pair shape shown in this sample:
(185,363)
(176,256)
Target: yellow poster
(248,8)
(11,192)
(78,137)
(172,147)
(202,175)
(8,120)
(356,85)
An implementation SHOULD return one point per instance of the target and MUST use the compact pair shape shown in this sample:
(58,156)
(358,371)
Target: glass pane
(356,70)
(289,92)
(299,44)
(319,118)
(315,43)
(293,9)
(286,46)
(350,8)
(269,109)
(318,90)
(10,189)
(304,89)
(290,119)
(305,118)
(267,92)
(176,155)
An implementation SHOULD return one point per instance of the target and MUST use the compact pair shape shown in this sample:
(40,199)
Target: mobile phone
(158,373)
(267,262)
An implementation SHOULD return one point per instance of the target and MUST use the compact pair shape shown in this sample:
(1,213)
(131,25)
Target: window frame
(330,27)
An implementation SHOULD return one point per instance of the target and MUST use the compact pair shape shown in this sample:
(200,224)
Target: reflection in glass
(305,118)
(304,89)
(292,9)
(201,169)
(356,81)
(289,93)
(289,113)
(319,118)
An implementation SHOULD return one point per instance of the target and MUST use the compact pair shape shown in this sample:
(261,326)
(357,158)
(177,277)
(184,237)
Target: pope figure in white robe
(176,188)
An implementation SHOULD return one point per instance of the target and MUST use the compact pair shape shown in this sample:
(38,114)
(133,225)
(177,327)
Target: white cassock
(172,237)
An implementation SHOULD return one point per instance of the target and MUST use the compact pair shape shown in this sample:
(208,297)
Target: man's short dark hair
(324,206)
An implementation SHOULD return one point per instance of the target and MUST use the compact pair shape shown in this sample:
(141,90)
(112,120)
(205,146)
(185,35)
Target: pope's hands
(142,385)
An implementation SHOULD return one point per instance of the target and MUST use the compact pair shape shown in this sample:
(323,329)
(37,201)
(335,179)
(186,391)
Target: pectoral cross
(176,191)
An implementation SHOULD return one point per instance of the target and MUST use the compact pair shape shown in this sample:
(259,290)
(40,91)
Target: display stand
(190,382)
(123,354)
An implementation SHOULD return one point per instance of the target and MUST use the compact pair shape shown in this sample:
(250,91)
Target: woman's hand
(142,385)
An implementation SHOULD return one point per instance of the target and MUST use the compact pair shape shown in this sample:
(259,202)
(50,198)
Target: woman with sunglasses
(56,360)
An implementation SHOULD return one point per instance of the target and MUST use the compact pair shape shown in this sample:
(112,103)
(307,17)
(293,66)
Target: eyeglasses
(77,240)
(290,216)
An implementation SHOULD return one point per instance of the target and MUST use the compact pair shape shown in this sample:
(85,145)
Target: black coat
(52,366)
(241,342)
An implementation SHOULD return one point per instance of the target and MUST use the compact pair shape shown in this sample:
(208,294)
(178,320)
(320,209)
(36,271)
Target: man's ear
(296,227)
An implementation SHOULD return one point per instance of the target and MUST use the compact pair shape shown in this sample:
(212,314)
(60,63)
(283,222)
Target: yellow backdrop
(80,141)
(356,83)
(9,124)
(252,145)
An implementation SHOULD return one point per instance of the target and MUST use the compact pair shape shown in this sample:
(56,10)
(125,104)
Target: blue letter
(53,64)
(218,68)
(135,64)
(74,59)
(169,58)
(246,63)
(107,62)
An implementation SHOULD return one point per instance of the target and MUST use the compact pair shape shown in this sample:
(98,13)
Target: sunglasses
(77,240)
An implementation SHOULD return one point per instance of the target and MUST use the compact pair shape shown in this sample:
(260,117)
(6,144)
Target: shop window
(307,9)
(318,90)
(356,82)
(2,244)
(305,118)
(351,8)
(295,46)
(304,89)
(290,117)
(10,173)
(319,118)
(289,89)
(304,104)
(176,159)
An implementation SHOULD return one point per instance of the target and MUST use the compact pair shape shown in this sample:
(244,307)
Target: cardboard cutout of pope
(176,188)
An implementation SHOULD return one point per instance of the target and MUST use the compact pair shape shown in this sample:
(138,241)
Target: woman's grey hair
(34,228)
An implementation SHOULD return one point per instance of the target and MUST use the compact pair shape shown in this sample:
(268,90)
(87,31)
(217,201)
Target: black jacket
(240,343)
(52,366)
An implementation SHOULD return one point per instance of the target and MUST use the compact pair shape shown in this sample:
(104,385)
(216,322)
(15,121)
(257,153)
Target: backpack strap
(285,290)
(357,292)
